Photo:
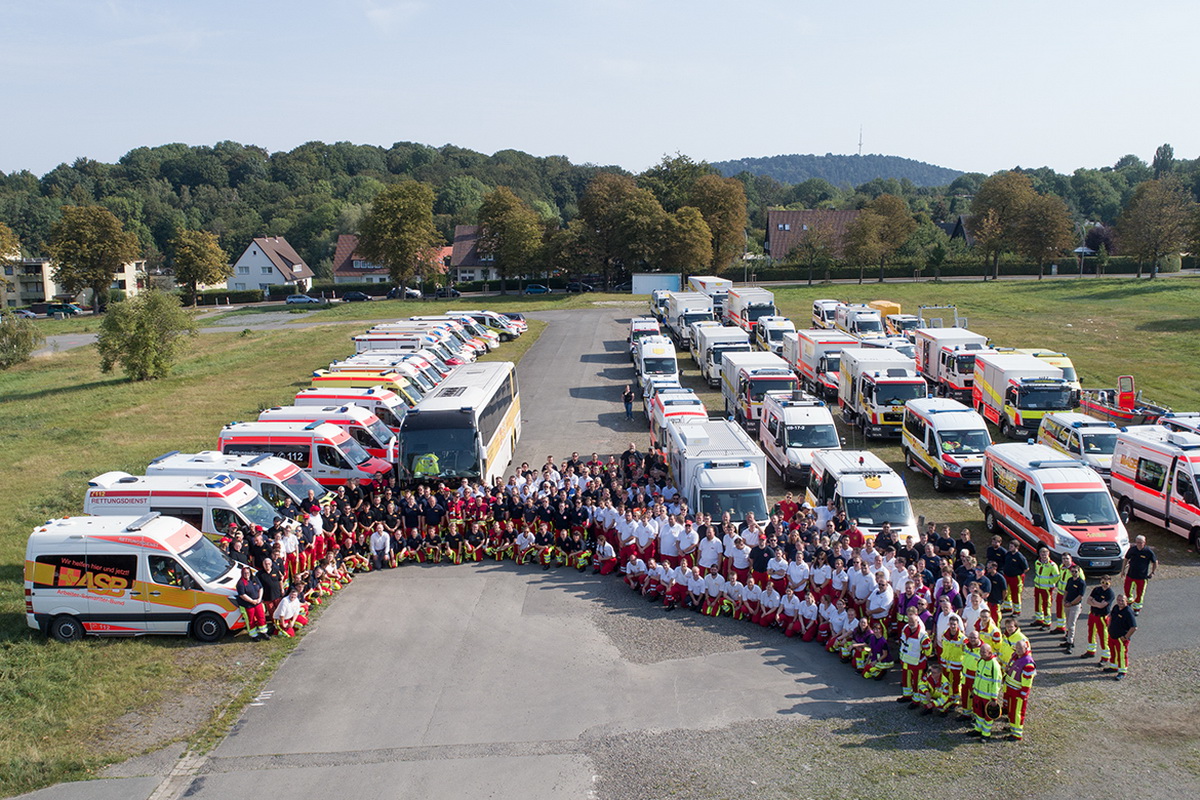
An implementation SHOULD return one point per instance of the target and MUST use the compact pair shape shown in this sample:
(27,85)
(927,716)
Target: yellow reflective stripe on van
(504,430)
(178,597)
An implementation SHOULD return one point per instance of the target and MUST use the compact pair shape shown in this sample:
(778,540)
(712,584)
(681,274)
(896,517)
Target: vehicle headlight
(1123,540)
(1065,541)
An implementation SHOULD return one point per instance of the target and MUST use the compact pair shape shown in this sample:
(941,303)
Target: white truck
(684,309)
(714,287)
(693,342)
(655,362)
(873,386)
(768,333)
(717,468)
(794,426)
(946,357)
(1014,391)
(745,305)
(824,314)
(746,378)
(859,320)
(816,356)
(862,485)
(711,343)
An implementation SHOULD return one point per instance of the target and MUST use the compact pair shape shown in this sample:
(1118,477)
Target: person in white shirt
(687,542)
(677,587)
(789,612)
(714,592)
(836,624)
(768,605)
(867,552)
(970,614)
(846,625)
(898,572)
(739,561)
(668,542)
(669,492)
(626,537)
(710,550)
(808,619)
(879,604)
(825,514)
(797,574)
(819,574)
(750,531)
(751,600)
(732,603)
(839,580)
(825,611)
(604,559)
(777,570)
(655,583)
(645,534)
(635,572)
(381,547)
(290,614)
(695,590)
(862,583)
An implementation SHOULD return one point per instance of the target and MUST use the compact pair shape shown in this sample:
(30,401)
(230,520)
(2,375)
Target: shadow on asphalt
(612,393)
(612,357)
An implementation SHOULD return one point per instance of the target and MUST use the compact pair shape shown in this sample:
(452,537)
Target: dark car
(579,287)
(447,291)
(623,288)
(537,288)
(355,297)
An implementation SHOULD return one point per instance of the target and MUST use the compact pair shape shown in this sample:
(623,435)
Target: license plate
(1102,563)
(972,483)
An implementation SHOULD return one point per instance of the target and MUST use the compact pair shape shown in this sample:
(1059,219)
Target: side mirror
(1038,521)
(189,582)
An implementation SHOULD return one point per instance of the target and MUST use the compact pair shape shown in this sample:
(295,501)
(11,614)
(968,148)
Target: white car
(301,299)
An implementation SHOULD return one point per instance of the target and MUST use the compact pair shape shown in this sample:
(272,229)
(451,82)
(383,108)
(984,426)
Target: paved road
(494,681)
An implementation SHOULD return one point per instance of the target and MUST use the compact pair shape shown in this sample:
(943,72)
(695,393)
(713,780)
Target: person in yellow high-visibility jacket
(1045,580)
(985,692)
(970,662)
(1010,635)
(952,641)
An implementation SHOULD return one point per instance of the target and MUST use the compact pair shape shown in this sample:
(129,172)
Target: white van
(862,485)
(1043,498)
(207,503)
(366,428)
(1083,438)
(794,426)
(1156,476)
(128,576)
(275,479)
(945,440)
(824,313)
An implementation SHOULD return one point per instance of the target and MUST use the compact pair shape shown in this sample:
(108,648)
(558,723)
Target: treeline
(839,170)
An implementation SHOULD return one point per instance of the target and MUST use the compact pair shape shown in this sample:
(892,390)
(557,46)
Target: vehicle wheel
(65,628)
(939,483)
(208,627)
(1194,538)
(1125,510)
(990,522)
(908,459)
(1006,430)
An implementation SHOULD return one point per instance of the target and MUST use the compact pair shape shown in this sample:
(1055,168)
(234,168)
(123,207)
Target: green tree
(199,259)
(1156,222)
(399,229)
(999,204)
(686,242)
(1164,160)
(722,201)
(144,335)
(1045,230)
(18,339)
(671,180)
(510,232)
(571,250)
(89,245)
(10,254)
(864,241)
(624,221)
(895,228)
(816,249)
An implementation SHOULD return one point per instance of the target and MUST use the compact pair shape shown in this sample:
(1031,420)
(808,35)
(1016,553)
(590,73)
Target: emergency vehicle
(794,426)
(746,378)
(714,287)
(901,325)
(946,357)
(673,405)
(326,451)
(640,327)
(1083,438)
(1015,391)
(469,327)
(769,331)
(708,343)
(1188,421)
(209,503)
(743,306)
(683,310)
(717,468)
(946,440)
(656,362)
(385,361)
(898,343)
(366,428)
(1055,359)
(453,346)
(380,401)
(824,314)
(693,339)
(816,356)
(411,342)
(1156,476)
(499,324)
(859,320)
(862,485)
(275,479)
(873,386)
(393,381)
(658,303)
(128,575)
(1043,498)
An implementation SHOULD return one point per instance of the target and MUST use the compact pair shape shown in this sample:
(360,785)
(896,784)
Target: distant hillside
(840,170)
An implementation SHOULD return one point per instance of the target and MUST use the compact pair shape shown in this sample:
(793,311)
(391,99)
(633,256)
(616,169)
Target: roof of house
(289,263)
(345,257)
(785,228)
(465,252)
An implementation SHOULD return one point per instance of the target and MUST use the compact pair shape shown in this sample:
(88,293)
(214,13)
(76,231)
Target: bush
(19,337)
(217,297)
(144,335)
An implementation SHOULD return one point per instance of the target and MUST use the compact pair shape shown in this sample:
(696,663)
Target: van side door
(170,593)
(116,599)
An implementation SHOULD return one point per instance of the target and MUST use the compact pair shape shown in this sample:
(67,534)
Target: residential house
(270,261)
(31,280)
(787,228)
(350,267)
(466,263)
(957,228)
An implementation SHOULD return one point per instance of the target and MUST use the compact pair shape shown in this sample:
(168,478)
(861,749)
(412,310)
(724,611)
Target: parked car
(408,292)
(23,313)
(537,288)
(623,288)
(579,287)
(447,291)
(70,309)
(518,319)
(355,297)
(301,299)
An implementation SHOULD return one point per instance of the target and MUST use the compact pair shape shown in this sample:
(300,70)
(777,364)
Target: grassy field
(68,707)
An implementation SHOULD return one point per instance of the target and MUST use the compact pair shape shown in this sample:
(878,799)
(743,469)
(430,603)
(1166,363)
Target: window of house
(265,286)
(243,270)
(239,287)
(267,270)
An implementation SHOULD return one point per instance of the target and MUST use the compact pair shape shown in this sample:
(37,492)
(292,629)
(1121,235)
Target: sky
(977,86)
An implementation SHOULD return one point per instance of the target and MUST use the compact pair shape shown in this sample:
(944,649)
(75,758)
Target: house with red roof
(786,228)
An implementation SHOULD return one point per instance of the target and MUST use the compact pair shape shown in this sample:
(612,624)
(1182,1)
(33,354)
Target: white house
(270,261)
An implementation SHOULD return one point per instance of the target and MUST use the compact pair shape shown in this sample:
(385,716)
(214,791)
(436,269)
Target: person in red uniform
(1122,623)
(250,600)
(1140,564)
(1018,681)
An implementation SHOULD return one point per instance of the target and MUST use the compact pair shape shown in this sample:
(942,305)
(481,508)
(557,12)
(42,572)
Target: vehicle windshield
(1099,444)
(815,436)
(659,366)
(874,511)
(1082,508)
(354,452)
(638,334)
(1048,398)
(415,375)
(775,334)
(299,484)
(833,362)
(696,316)
(754,312)
(204,559)
(439,453)
(962,443)
(897,394)
(965,364)
(716,350)
(907,350)
(868,326)
(257,511)
(413,390)
(760,386)
(387,417)
(736,501)
(382,433)
(906,325)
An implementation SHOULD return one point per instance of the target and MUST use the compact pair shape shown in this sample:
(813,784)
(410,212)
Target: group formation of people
(933,607)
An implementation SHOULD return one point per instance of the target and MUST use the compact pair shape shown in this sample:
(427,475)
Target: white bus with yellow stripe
(128,576)
(468,427)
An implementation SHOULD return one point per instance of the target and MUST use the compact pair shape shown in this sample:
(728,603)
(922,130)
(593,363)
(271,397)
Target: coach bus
(467,427)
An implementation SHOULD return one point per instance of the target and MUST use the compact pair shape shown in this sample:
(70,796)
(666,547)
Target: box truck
(816,356)
(946,357)
(711,343)
(873,386)
(717,468)
(745,305)
(1014,391)
(746,378)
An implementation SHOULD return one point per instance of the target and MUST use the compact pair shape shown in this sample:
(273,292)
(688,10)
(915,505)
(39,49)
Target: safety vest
(1045,576)
(987,679)
(1020,673)
(1008,644)
(426,465)
(952,650)
(970,659)
(912,645)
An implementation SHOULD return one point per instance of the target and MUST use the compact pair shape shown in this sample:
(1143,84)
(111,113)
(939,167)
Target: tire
(1006,429)
(65,628)
(908,458)
(990,522)
(1125,510)
(1194,538)
(939,483)
(207,627)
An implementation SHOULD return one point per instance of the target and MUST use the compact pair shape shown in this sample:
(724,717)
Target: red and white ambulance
(366,428)
(326,451)
(275,479)
(378,399)
(1156,476)
(210,504)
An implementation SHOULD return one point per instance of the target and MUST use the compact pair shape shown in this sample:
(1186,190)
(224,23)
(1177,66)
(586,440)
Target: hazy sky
(975,85)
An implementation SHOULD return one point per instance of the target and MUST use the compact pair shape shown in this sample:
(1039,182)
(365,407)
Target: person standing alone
(627,399)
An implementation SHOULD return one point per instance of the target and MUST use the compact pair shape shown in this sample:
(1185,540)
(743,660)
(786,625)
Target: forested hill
(840,170)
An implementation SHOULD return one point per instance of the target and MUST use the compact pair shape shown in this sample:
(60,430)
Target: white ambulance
(945,440)
(366,428)
(275,479)
(1156,476)
(210,504)
(128,576)
(862,485)
(1081,437)
(1043,498)
(379,400)
(794,426)
(327,452)
(673,405)
(1188,421)
(824,313)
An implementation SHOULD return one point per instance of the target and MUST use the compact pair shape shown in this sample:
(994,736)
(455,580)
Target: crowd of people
(937,609)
